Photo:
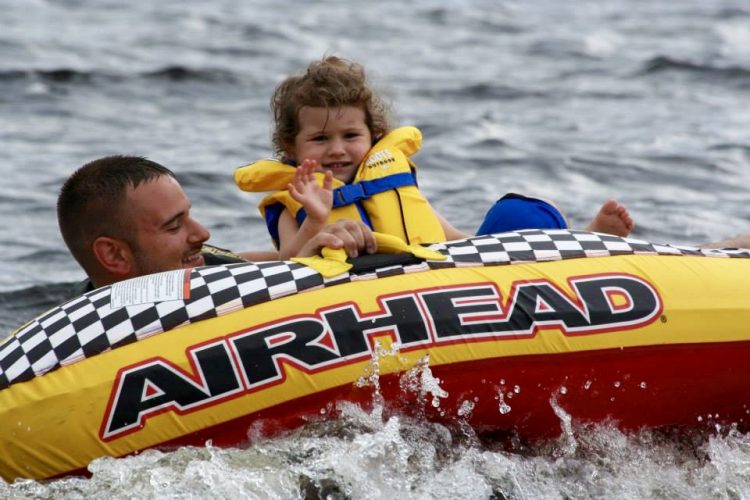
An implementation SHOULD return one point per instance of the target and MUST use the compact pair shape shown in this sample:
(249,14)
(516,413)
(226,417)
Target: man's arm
(259,255)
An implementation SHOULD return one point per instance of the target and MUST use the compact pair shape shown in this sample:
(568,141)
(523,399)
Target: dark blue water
(577,102)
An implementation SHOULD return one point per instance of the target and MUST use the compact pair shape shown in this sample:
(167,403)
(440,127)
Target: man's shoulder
(215,255)
(82,287)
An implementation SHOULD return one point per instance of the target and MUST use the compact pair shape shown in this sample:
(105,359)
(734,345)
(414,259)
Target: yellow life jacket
(383,193)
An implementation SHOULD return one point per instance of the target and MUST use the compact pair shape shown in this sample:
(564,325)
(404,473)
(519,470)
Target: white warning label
(158,287)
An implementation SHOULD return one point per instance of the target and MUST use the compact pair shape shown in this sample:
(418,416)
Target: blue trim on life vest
(352,193)
(273,214)
(301,216)
(363,215)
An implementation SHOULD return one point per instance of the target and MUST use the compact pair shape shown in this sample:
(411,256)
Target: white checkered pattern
(87,325)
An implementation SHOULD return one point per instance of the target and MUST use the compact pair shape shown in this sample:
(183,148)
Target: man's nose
(198,233)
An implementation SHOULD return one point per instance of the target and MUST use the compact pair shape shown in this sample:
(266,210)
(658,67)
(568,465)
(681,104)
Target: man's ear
(113,255)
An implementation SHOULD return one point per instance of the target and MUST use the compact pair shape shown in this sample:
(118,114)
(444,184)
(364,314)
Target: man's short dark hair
(91,202)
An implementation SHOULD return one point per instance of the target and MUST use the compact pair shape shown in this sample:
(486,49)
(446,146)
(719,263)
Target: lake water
(646,102)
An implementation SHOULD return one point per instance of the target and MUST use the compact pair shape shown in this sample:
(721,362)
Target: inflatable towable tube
(597,326)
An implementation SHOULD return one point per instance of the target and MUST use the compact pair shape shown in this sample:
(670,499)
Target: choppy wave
(369,455)
(733,12)
(62,75)
(491,91)
(665,64)
(20,306)
(78,76)
(181,73)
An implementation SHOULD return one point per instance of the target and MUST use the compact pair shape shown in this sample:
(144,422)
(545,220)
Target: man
(126,216)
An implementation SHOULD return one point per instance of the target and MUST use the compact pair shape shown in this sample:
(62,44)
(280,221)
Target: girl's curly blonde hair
(329,83)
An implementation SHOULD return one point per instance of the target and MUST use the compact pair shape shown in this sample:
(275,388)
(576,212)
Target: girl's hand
(317,200)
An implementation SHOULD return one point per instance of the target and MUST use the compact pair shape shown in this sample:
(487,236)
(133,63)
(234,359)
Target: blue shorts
(513,212)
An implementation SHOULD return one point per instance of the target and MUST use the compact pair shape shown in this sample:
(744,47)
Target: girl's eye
(319,138)
(352,135)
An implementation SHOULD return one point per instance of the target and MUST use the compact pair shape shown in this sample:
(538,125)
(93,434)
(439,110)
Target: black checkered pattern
(87,325)
(536,245)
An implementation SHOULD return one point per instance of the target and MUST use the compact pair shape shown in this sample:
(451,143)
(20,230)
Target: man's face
(166,236)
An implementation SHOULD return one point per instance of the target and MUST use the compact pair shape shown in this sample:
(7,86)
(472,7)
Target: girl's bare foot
(612,218)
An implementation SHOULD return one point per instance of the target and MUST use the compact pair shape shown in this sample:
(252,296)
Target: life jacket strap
(352,193)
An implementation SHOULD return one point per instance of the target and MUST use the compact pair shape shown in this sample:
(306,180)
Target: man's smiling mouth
(195,260)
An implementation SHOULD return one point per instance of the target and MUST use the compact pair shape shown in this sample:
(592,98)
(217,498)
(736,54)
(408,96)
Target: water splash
(465,409)
(566,424)
(503,407)
(371,376)
(419,380)
(363,455)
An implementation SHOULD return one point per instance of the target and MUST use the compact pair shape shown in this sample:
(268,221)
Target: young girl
(329,121)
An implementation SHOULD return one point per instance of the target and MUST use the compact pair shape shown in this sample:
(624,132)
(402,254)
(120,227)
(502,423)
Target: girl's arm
(451,233)
(316,200)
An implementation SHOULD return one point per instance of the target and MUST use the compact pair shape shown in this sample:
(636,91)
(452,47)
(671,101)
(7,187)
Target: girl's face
(338,139)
